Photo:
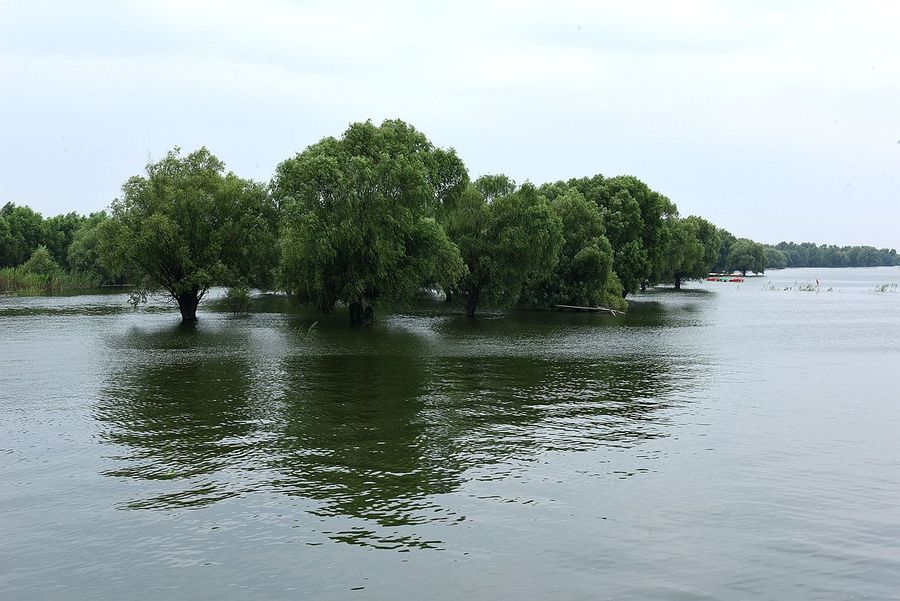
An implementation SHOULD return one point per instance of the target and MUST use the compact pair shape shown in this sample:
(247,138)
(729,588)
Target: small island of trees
(373,217)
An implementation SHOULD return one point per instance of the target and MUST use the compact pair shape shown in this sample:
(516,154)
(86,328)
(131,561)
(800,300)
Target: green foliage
(238,298)
(582,274)
(59,232)
(22,233)
(777,259)
(514,239)
(692,249)
(655,209)
(41,262)
(727,239)
(808,254)
(361,214)
(19,281)
(746,255)
(634,217)
(187,225)
(84,257)
(493,186)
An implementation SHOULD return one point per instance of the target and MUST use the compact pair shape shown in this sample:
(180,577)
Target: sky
(775,120)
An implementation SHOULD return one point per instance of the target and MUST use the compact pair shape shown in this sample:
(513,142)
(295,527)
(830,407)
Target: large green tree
(505,243)
(583,275)
(360,221)
(634,216)
(187,225)
(83,255)
(746,255)
(23,232)
(692,249)
(59,231)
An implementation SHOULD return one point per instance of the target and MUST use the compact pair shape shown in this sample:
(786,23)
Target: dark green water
(724,443)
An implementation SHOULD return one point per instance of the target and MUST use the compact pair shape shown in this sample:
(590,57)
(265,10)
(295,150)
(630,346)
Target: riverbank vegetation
(808,254)
(373,217)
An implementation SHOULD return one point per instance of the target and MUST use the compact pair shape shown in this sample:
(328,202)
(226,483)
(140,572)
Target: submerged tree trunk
(471,304)
(187,304)
(361,315)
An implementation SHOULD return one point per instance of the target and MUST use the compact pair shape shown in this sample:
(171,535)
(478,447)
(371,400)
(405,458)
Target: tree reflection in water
(368,430)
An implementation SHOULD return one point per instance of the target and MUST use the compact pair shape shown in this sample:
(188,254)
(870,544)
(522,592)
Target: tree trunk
(187,304)
(677,282)
(644,286)
(449,293)
(471,304)
(361,315)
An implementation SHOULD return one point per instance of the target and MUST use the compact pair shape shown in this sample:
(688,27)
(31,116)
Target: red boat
(724,277)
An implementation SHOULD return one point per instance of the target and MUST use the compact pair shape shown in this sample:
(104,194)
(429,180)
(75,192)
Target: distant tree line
(369,220)
(809,254)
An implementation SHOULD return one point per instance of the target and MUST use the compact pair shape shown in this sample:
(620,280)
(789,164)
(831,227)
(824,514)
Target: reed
(16,280)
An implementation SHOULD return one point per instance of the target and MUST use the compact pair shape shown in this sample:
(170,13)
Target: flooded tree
(187,226)
(583,275)
(504,242)
(692,248)
(746,255)
(361,222)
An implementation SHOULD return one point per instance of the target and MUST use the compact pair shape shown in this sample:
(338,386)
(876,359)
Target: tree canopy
(746,255)
(692,248)
(187,225)
(361,218)
(583,275)
(514,238)
(373,217)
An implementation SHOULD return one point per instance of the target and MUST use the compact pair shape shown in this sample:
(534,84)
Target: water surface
(725,442)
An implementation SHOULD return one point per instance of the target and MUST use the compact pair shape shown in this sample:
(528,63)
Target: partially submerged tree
(583,275)
(360,220)
(692,249)
(746,255)
(187,226)
(504,243)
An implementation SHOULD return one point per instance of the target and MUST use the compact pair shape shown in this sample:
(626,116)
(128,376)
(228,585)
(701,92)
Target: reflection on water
(727,443)
(368,425)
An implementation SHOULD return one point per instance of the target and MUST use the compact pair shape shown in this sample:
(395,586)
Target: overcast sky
(775,122)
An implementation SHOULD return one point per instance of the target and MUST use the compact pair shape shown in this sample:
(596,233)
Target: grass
(17,280)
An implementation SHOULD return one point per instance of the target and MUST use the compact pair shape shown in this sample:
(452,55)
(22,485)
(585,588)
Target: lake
(727,441)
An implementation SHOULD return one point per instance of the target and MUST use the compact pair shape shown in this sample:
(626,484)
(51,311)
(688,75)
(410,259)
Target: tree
(83,255)
(504,244)
(634,217)
(6,243)
(25,233)
(777,258)
(746,255)
(187,226)
(493,186)
(41,262)
(727,239)
(692,248)
(685,252)
(583,275)
(654,209)
(360,218)
(59,232)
